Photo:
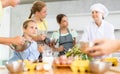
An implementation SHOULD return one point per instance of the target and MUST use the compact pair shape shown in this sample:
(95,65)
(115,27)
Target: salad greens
(76,51)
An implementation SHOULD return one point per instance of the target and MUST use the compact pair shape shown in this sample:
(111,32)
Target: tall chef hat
(101,8)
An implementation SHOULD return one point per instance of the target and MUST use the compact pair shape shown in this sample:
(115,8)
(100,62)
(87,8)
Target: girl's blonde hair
(25,24)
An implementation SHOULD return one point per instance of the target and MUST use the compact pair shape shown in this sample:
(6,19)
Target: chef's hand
(103,47)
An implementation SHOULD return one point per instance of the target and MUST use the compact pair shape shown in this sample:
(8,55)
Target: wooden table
(52,71)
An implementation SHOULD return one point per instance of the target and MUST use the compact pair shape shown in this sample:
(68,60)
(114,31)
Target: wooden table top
(52,71)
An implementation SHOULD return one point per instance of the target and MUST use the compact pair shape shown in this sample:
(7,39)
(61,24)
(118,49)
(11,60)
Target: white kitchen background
(77,11)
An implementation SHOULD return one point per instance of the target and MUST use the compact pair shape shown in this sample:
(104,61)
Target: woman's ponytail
(30,15)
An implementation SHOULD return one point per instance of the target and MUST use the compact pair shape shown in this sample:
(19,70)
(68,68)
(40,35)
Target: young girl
(65,37)
(31,53)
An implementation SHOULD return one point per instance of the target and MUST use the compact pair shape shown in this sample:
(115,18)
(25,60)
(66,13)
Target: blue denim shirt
(31,53)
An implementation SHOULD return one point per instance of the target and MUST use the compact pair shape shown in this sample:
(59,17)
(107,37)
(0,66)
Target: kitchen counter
(52,71)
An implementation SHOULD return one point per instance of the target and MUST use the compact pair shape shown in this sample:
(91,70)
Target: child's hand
(41,48)
(61,48)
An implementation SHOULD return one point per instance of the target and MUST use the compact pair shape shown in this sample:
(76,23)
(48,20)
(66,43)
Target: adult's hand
(103,47)
(18,40)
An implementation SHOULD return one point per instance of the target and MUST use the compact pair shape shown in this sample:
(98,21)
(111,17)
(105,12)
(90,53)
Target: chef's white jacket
(93,32)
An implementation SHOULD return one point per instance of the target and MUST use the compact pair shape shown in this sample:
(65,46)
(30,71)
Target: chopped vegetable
(76,51)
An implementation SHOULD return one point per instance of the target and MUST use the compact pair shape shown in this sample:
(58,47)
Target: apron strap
(60,34)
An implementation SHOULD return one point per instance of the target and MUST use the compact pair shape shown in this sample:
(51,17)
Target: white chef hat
(101,8)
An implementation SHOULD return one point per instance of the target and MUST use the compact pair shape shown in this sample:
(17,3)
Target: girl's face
(64,22)
(43,13)
(97,16)
(31,29)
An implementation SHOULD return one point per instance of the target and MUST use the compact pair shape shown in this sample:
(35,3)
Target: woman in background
(38,14)
(65,37)
(31,53)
